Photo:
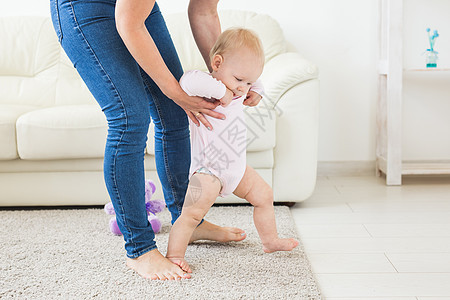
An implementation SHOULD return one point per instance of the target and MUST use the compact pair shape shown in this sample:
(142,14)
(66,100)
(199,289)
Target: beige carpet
(70,254)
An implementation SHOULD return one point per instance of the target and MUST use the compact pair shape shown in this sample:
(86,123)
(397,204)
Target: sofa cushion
(62,132)
(8,117)
(258,160)
(79,131)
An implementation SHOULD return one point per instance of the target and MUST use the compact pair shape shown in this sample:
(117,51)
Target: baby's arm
(257,87)
(254,95)
(199,83)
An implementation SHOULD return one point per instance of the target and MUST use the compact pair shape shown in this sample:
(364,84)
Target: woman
(123,52)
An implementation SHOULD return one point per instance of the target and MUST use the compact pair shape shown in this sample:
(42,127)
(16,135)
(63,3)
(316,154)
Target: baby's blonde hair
(236,38)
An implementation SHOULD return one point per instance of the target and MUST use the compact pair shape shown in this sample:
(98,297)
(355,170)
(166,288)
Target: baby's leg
(202,191)
(256,191)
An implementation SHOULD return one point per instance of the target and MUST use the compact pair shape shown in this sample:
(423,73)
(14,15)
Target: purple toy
(152,207)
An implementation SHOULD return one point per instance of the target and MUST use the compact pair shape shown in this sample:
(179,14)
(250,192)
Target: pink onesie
(221,151)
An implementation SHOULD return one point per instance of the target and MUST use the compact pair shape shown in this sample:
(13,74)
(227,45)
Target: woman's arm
(130,17)
(205,25)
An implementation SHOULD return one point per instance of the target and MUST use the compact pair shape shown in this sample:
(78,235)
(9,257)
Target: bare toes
(182,274)
(169,276)
(295,243)
(161,277)
(236,230)
(236,234)
(281,245)
(184,266)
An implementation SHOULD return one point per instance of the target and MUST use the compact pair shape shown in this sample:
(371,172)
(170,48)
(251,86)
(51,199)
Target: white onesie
(221,151)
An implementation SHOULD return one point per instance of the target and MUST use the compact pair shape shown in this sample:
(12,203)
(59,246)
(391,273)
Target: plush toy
(152,206)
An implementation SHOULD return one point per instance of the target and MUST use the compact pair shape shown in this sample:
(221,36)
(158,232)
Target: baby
(218,165)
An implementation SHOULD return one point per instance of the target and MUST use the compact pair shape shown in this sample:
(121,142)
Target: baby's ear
(216,62)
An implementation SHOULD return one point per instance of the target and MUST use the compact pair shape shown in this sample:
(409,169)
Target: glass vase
(431,59)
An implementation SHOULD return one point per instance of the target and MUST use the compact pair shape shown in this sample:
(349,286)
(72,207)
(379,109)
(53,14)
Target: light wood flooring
(366,240)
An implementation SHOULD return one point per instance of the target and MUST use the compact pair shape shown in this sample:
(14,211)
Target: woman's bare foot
(212,232)
(182,263)
(153,265)
(280,245)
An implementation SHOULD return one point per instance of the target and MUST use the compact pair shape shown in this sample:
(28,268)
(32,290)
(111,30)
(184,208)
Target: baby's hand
(227,98)
(252,98)
(182,263)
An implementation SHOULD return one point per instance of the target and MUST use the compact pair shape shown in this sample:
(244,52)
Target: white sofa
(52,132)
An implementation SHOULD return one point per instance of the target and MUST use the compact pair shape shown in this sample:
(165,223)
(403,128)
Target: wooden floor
(366,240)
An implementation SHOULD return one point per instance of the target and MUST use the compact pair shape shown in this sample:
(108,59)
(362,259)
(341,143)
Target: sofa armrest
(292,89)
(295,153)
(284,72)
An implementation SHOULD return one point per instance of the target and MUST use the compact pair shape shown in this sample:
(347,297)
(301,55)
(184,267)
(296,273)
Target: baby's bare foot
(153,265)
(212,232)
(182,263)
(280,245)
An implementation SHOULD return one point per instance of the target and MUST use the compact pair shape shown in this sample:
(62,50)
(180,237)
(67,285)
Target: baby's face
(238,70)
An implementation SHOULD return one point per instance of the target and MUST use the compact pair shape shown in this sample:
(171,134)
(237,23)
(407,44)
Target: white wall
(341,37)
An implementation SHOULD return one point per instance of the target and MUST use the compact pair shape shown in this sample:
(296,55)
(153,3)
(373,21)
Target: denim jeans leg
(172,142)
(91,41)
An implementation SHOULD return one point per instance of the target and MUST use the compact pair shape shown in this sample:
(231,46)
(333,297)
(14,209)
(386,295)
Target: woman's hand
(196,108)
(252,98)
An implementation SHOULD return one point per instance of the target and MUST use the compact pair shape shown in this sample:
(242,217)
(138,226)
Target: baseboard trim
(346,168)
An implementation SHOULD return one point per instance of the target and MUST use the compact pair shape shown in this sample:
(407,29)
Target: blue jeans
(87,32)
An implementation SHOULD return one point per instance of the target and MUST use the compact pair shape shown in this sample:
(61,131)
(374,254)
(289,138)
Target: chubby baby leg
(200,196)
(256,191)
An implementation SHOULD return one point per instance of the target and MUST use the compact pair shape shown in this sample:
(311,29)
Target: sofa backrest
(28,60)
(34,70)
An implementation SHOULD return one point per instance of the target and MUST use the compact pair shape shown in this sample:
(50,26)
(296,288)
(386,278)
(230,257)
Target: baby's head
(237,59)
